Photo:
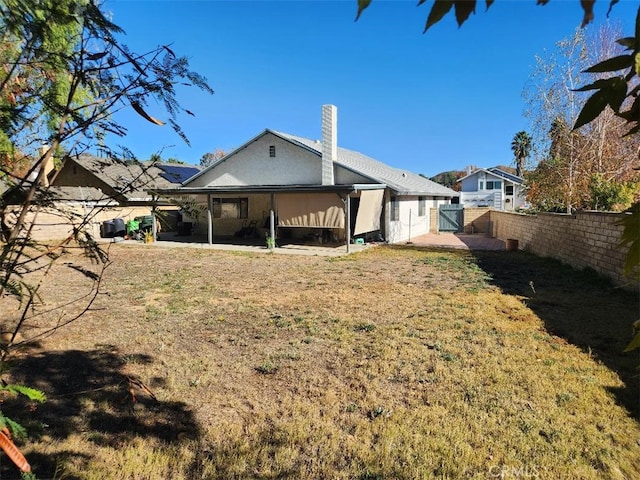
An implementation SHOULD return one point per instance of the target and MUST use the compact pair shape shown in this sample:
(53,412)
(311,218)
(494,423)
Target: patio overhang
(343,191)
(350,188)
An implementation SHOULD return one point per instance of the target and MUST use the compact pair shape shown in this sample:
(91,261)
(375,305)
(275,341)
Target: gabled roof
(401,181)
(497,173)
(78,194)
(51,194)
(134,179)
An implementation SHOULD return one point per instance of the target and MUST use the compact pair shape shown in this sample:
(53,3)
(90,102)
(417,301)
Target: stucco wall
(342,176)
(584,239)
(252,165)
(409,224)
(54,224)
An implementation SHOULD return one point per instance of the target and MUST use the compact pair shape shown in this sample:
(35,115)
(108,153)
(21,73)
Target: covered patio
(347,209)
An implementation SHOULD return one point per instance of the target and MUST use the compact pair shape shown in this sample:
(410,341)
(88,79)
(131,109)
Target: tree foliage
(449,179)
(521,147)
(462,9)
(64,75)
(210,158)
(571,160)
(617,94)
(621,94)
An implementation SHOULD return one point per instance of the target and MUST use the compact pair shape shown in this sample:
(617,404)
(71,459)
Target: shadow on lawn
(88,391)
(580,306)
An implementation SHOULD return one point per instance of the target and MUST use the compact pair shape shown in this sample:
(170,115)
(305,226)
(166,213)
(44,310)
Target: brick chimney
(329,142)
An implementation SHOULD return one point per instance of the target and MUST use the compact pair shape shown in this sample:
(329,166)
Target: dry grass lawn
(393,363)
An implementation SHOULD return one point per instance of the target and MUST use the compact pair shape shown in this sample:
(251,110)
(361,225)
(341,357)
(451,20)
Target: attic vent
(272,151)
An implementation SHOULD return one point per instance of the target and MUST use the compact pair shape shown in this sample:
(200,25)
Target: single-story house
(127,182)
(494,188)
(303,188)
(87,191)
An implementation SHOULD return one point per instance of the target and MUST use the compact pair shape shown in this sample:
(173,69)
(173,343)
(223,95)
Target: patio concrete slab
(463,241)
(441,240)
(169,240)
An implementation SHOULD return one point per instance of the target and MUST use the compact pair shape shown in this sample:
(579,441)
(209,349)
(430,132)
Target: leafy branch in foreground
(64,74)
(622,94)
(9,428)
(619,92)
(464,8)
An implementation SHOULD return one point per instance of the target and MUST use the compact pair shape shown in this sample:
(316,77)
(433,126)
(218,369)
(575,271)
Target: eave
(235,189)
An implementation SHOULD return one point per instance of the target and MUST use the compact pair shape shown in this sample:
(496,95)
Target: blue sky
(423,102)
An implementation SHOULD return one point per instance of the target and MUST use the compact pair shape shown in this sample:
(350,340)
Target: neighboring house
(494,188)
(88,191)
(127,182)
(314,189)
(61,210)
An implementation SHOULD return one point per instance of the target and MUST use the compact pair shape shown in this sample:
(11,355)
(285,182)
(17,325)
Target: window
(422,206)
(481,187)
(508,189)
(230,208)
(495,185)
(272,151)
(395,209)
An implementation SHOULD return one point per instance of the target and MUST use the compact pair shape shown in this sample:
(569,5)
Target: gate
(450,218)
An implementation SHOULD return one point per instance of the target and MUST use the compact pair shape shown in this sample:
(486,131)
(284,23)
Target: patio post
(154,227)
(272,230)
(209,220)
(348,222)
(272,222)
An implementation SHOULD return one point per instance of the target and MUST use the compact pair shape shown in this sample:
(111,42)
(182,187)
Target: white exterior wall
(409,224)
(520,197)
(343,176)
(292,165)
(252,165)
(471,196)
(494,199)
(435,202)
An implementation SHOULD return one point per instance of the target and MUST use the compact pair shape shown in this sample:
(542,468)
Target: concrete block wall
(582,240)
(476,220)
(433,220)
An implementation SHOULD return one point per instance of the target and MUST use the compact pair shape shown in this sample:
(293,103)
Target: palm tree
(521,146)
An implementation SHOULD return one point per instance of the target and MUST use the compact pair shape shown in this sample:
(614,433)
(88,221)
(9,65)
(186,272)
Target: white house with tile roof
(314,188)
